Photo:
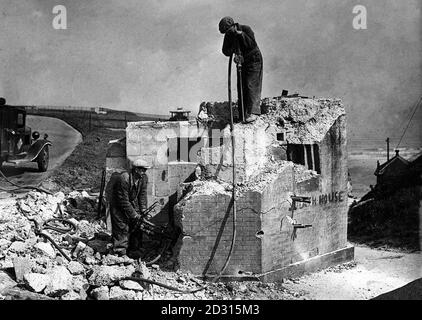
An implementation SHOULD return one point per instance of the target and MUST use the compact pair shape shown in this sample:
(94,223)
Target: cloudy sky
(153,56)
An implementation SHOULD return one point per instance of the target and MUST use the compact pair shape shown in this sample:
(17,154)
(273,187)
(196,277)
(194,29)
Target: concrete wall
(266,239)
(154,142)
(208,222)
(251,144)
(327,214)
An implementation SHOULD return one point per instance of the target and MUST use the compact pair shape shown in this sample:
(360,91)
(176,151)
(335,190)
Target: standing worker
(240,41)
(127,192)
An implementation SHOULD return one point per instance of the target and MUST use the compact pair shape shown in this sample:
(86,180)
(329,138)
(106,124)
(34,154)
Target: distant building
(398,172)
(416,167)
(179,115)
(100,110)
(392,173)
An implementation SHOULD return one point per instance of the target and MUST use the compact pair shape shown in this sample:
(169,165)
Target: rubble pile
(306,119)
(258,182)
(34,267)
(270,172)
(303,121)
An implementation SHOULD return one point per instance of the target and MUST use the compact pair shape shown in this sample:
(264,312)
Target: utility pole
(388,148)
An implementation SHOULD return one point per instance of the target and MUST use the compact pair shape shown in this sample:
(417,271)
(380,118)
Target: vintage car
(17,144)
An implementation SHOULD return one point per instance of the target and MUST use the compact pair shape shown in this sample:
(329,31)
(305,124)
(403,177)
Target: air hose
(233,184)
(49,224)
(38,232)
(18,187)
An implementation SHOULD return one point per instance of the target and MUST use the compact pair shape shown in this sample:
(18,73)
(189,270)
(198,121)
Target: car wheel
(42,159)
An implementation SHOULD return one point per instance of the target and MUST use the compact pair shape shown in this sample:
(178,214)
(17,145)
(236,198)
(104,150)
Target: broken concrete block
(60,260)
(75,268)
(46,248)
(18,246)
(145,273)
(32,241)
(146,295)
(22,266)
(43,261)
(117,293)
(83,295)
(72,295)
(143,269)
(101,293)
(90,260)
(130,285)
(86,229)
(38,269)
(80,284)
(79,248)
(36,281)
(4,243)
(6,281)
(6,264)
(16,293)
(68,238)
(110,260)
(88,252)
(107,275)
(24,207)
(60,281)
(242,288)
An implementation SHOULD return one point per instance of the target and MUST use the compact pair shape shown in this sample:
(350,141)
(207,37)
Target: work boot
(251,118)
(117,252)
(237,120)
(134,254)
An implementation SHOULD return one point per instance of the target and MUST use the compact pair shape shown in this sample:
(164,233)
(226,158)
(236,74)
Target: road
(376,272)
(64,139)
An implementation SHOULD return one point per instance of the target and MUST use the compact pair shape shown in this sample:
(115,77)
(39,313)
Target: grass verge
(83,168)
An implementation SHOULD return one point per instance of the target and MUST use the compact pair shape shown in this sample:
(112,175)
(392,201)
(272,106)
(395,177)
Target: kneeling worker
(128,193)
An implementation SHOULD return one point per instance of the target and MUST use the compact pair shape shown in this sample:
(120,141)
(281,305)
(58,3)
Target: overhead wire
(418,104)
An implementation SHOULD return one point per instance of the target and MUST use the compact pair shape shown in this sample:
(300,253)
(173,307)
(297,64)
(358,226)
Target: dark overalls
(126,196)
(252,68)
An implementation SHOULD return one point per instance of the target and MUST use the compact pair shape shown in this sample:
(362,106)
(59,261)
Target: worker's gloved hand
(137,220)
(235,29)
(238,59)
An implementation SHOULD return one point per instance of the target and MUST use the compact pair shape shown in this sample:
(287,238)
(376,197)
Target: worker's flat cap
(139,163)
(225,24)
